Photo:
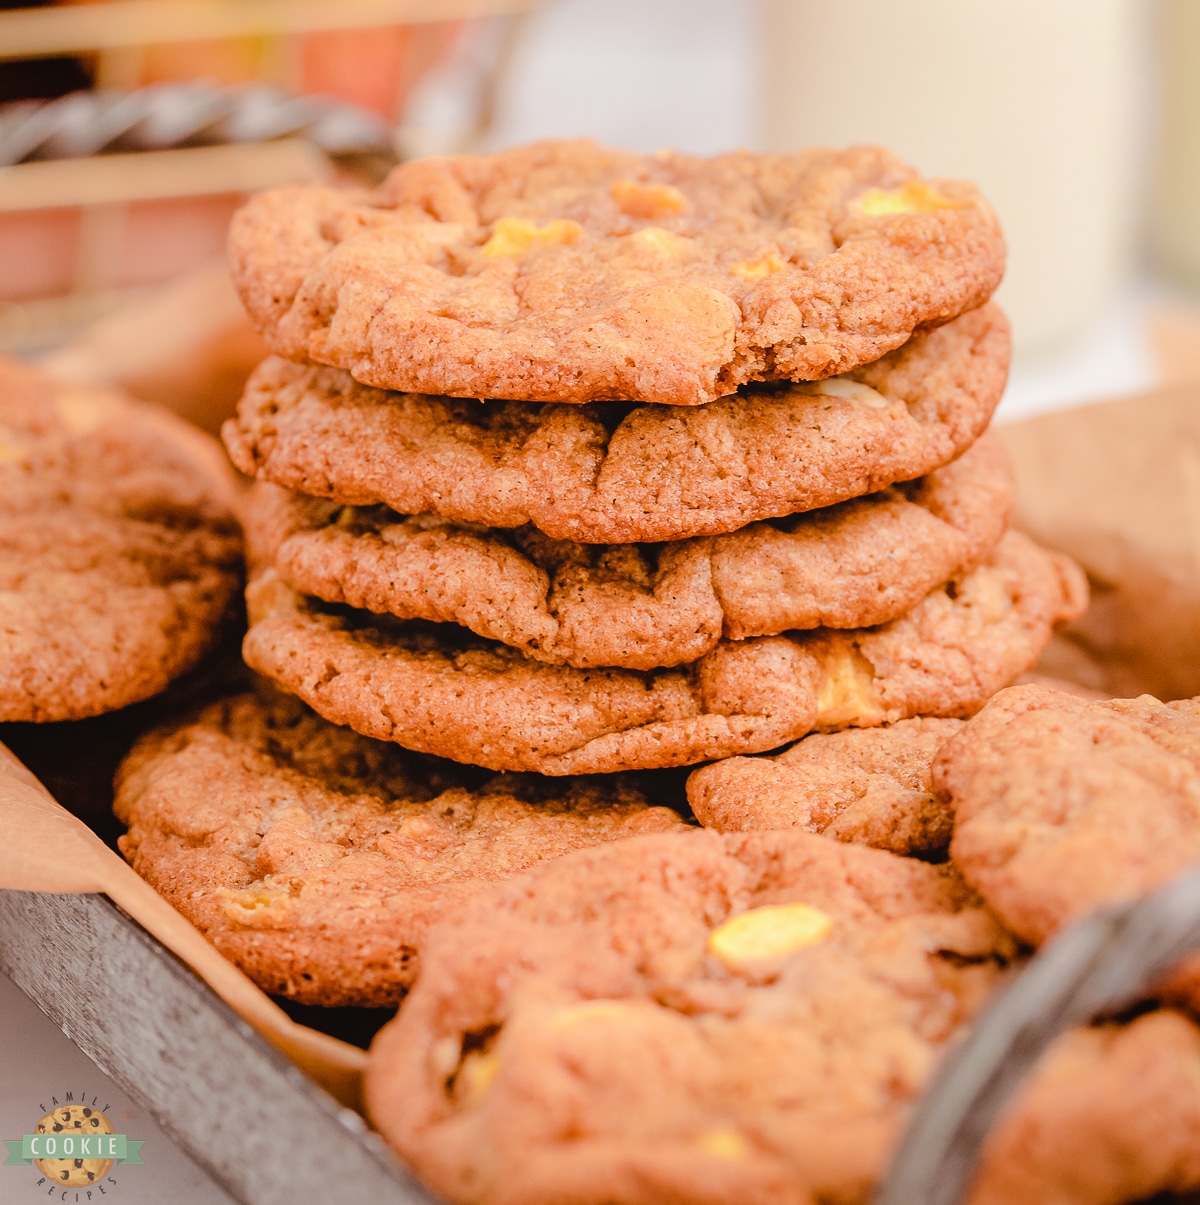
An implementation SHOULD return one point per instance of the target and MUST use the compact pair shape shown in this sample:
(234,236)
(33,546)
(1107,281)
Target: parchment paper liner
(45,848)
(1117,486)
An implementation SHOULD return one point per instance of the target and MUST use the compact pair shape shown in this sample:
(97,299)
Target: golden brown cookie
(682,1017)
(1033,678)
(746,1018)
(317,859)
(119,553)
(1111,1115)
(643,606)
(1062,805)
(564,271)
(613,474)
(441,690)
(870,786)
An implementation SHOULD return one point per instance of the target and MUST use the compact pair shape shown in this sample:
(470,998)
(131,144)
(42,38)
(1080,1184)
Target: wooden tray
(257,1124)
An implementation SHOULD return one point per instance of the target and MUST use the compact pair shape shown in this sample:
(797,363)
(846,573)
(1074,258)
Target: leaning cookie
(316,859)
(613,474)
(438,689)
(644,606)
(1062,805)
(870,786)
(564,271)
(119,552)
(682,1017)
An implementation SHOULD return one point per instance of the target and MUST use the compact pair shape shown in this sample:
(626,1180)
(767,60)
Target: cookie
(1033,678)
(644,606)
(566,272)
(1111,1115)
(870,786)
(614,474)
(317,860)
(441,690)
(682,1017)
(119,552)
(1062,805)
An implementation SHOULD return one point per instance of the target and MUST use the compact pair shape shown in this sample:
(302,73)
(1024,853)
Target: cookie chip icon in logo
(70,1126)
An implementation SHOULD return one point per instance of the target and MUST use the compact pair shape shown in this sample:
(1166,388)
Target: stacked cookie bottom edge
(476,701)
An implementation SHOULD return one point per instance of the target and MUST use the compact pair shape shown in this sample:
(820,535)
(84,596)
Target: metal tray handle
(1101,965)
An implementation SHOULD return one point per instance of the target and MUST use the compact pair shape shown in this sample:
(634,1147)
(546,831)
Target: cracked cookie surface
(870,786)
(858,564)
(442,690)
(119,552)
(1062,804)
(564,271)
(748,1018)
(683,1017)
(317,859)
(612,473)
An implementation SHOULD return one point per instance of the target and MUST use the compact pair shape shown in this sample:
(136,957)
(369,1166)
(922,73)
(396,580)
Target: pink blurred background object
(87,231)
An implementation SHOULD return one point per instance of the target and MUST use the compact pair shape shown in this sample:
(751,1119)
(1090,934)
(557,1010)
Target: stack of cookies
(730,489)
(650,552)
(731,486)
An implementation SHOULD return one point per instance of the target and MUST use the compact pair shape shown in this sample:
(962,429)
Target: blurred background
(131,129)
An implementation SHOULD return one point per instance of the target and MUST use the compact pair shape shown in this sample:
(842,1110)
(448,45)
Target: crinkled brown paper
(1117,485)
